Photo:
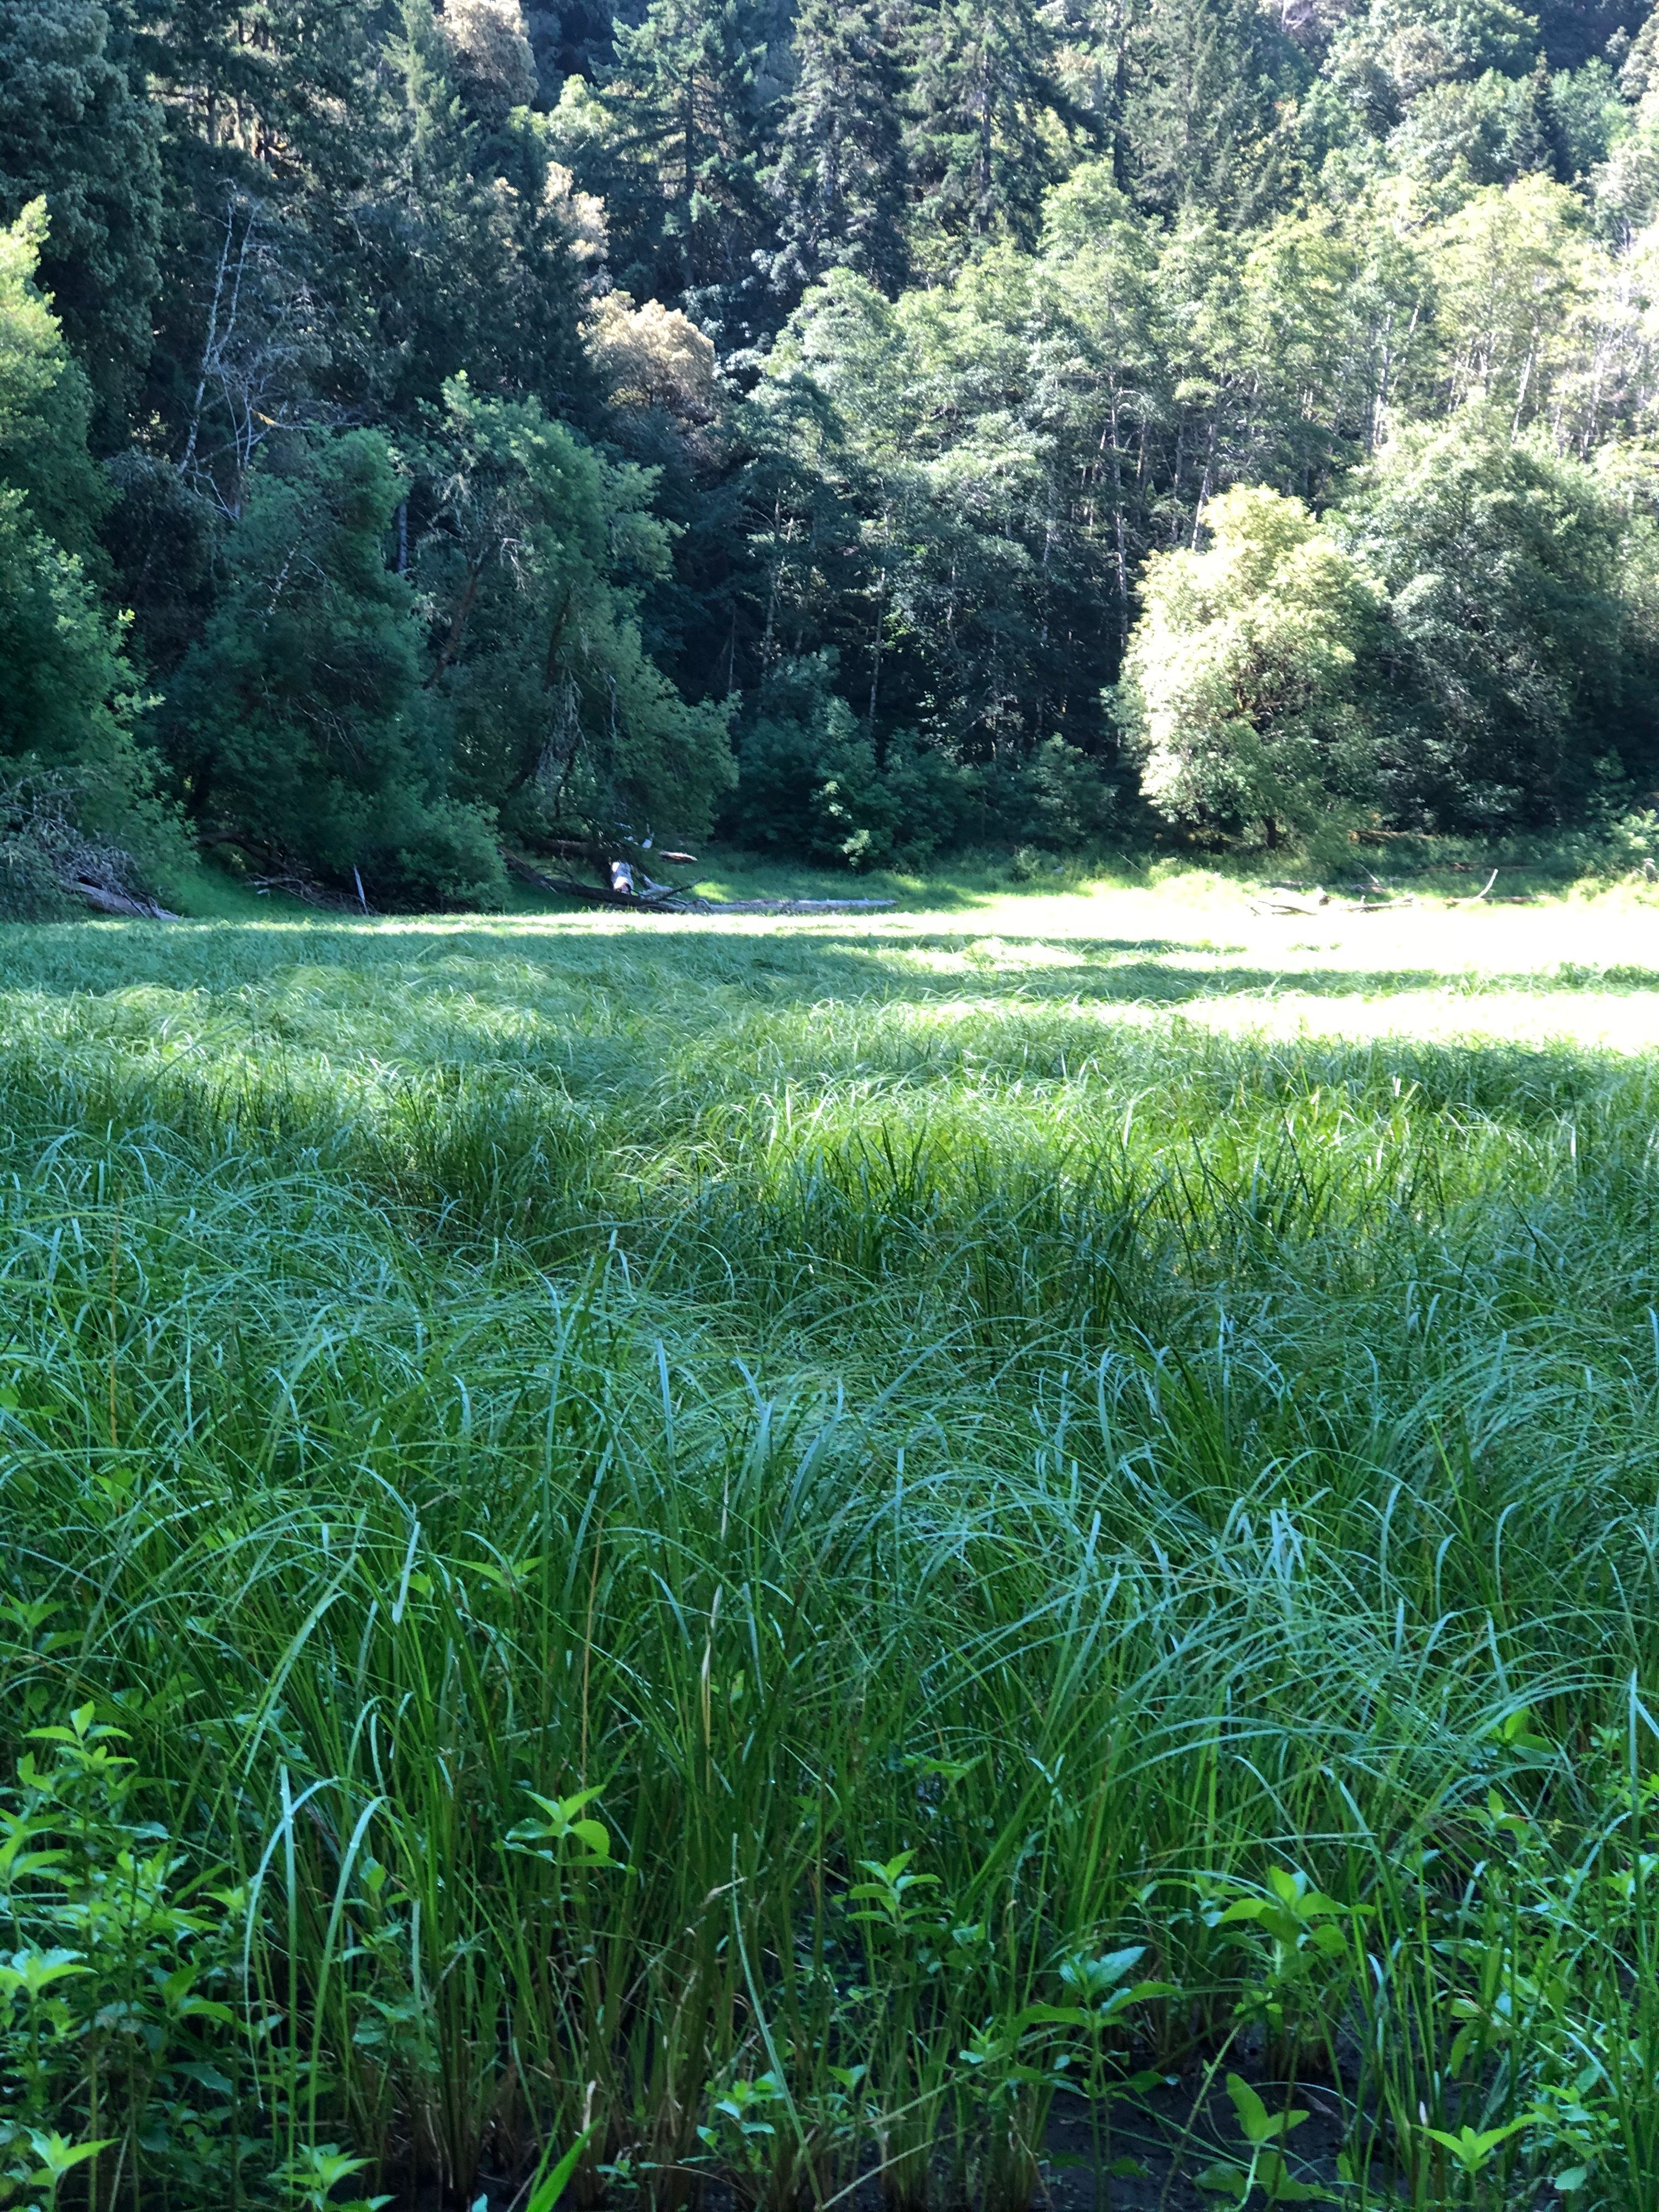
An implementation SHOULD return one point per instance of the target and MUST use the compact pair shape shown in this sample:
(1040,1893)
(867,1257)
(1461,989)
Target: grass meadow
(1000,1554)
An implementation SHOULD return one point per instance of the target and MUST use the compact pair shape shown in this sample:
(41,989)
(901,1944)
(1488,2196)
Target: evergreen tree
(1204,78)
(692,127)
(1100,362)
(265,116)
(469,263)
(74,131)
(839,185)
(993,127)
(360,206)
(1574,30)
(533,567)
(299,724)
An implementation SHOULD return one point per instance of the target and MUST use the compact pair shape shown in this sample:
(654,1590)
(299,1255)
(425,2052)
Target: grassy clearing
(779,1547)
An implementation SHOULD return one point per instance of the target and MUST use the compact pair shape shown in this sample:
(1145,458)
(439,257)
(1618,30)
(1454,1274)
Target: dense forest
(857,428)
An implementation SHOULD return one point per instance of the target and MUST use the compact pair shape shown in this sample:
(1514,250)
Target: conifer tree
(534,567)
(693,123)
(1205,80)
(839,182)
(992,124)
(299,723)
(74,131)
(473,267)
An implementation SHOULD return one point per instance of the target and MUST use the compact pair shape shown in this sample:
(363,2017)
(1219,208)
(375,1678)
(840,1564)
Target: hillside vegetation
(914,1548)
(865,430)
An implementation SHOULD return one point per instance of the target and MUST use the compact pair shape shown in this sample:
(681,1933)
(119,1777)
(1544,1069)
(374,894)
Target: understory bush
(811,781)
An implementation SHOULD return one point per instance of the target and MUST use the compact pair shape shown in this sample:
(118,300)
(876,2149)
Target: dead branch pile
(309,892)
(48,863)
(1294,899)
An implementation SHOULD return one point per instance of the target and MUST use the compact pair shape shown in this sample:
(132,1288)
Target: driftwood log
(107,901)
(668,898)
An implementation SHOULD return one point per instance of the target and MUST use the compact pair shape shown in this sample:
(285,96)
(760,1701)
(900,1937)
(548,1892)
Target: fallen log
(791,906)
(1281,901)
(105,900)
(667,898)
(568,887)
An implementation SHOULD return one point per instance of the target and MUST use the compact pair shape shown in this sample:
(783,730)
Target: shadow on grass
(490,1052)
(505,963)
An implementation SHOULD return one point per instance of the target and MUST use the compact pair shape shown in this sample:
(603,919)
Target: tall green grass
(1060,1551)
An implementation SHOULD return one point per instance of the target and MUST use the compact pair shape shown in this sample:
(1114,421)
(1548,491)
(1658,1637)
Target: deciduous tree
(1246,689)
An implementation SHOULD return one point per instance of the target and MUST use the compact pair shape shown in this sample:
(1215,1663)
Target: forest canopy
(856,430)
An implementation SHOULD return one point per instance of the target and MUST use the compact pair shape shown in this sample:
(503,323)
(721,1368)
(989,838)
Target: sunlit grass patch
(990,1448)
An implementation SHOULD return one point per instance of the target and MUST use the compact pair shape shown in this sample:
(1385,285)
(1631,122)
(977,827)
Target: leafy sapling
(1264,2169)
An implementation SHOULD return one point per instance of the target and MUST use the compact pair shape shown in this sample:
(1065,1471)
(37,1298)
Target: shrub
(810,780)
(114,2030)
(1064,800)
(447,856)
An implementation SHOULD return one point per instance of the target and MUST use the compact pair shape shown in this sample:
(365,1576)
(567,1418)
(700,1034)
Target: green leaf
(1093,1976)
(1222,2180)
(1139,1993)
(194,2007)
(33,1970)
(562,1825)
(550,2182)
(1472,2147)
(58,2156)
(1253,2116)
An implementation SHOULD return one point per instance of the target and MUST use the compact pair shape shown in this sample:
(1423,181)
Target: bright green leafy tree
(67,696)
(1244,691)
